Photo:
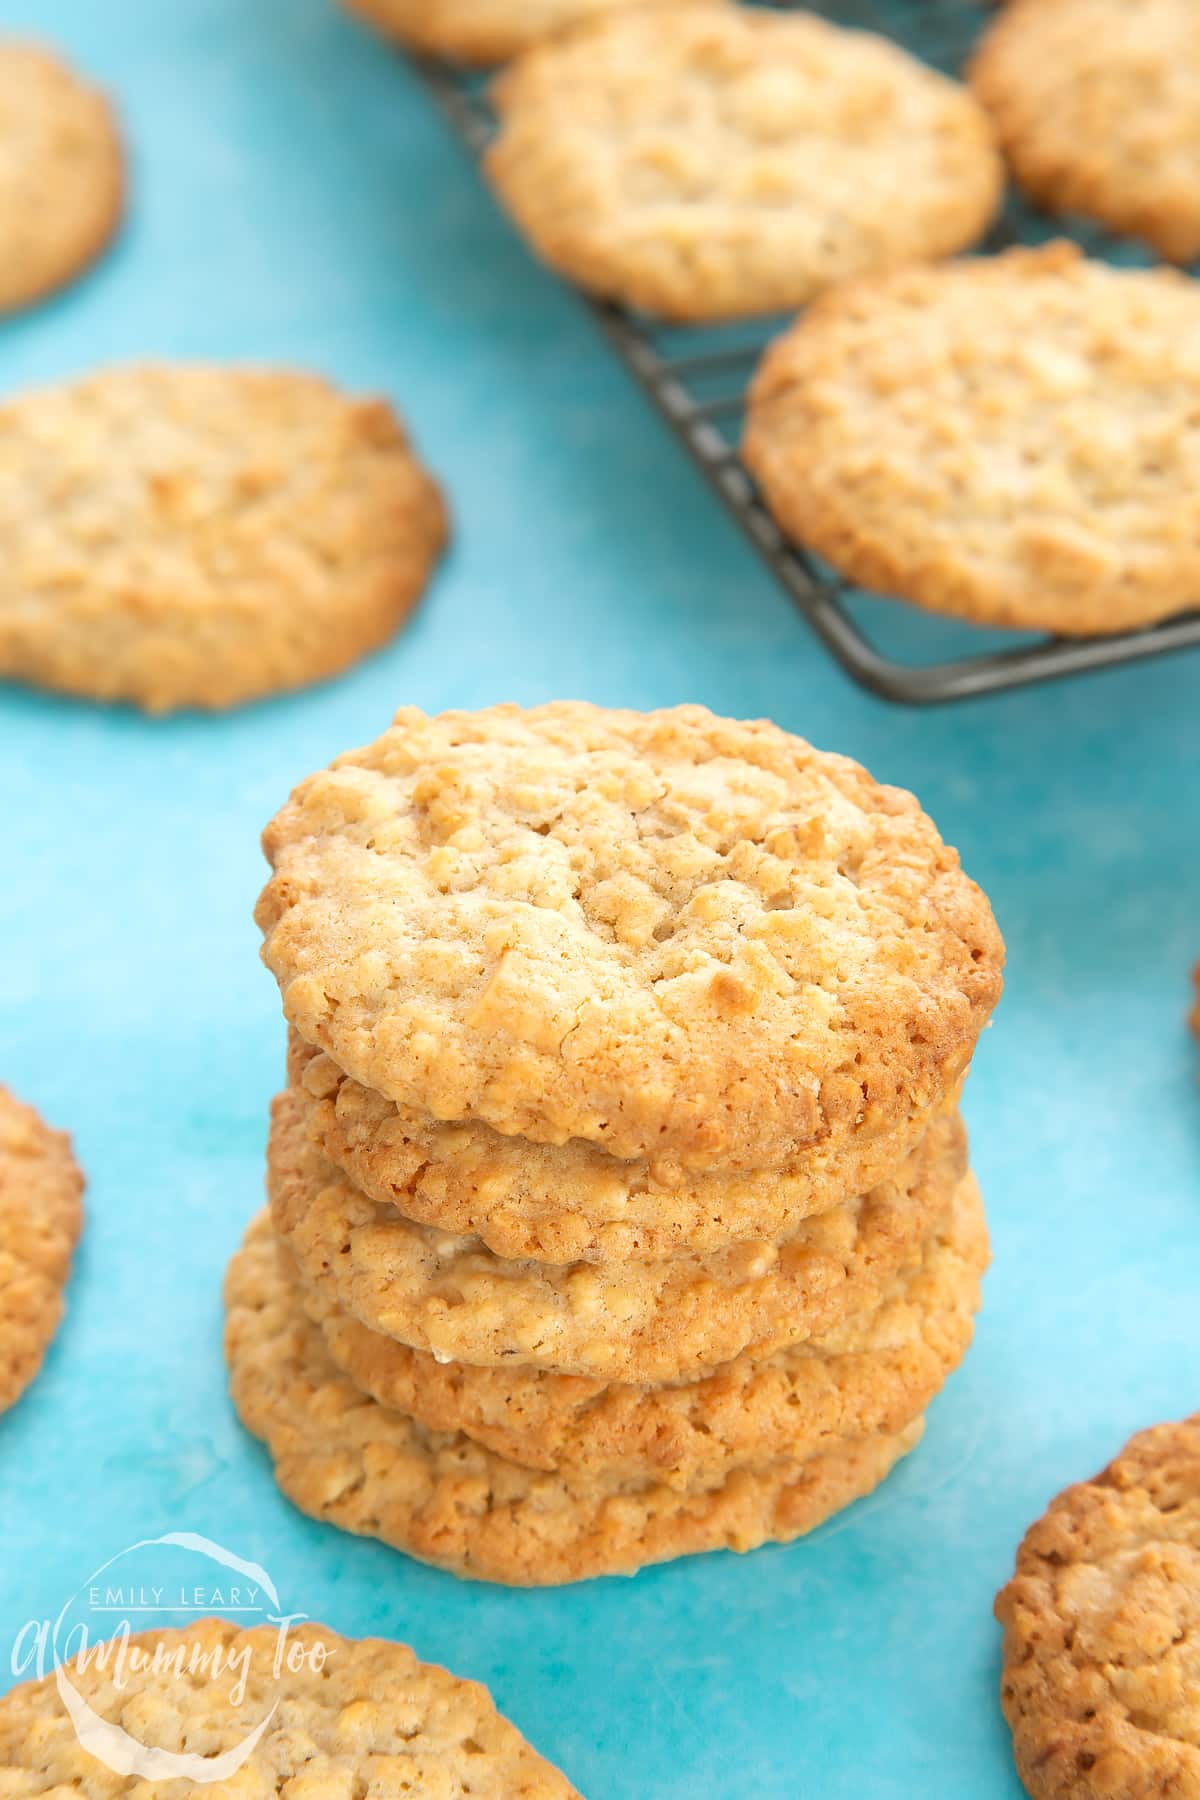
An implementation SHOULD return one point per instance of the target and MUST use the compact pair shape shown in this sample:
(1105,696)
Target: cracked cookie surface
(655,1320)
(62,174)
(439,1496)
(1101,1683)
(1097,104)
(658,932)
(1015,440)
(712,162)
(370,1719)
(41,1215)
(192,535)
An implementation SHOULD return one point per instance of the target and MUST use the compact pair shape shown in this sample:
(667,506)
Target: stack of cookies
(619,1203)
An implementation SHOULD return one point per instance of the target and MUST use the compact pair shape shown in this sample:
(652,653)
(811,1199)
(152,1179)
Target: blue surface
(294,199)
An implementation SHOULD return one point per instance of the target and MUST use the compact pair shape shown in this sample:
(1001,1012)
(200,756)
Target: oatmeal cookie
(1102,1630)
(664,933)
(41,1215)
(714,162)
(1015,440)
(62,176)
(342,1458)
(200,536)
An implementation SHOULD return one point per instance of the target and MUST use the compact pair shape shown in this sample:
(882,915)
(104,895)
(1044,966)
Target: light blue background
(293,198)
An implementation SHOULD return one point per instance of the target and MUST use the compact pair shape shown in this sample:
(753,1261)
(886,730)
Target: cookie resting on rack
(482,32)
(337,1717)
(62,175)
(659,932)
(41,1215)
(1101,1682)
(1097,105)
(1015,440)
(182,535)
(706,163)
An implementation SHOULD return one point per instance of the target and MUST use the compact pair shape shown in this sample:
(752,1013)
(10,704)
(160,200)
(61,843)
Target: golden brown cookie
(562,1202)
(439,1496)
(1014,440)
(1097,104)
(653,1320)
(199,536)
(41,1214)
(344,1716)
(61,174)
(873,1374)
(1102,1630)
(711,162)
(664,933)
(481,31)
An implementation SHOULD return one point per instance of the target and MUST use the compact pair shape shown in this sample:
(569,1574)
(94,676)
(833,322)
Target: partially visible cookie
(1101,1625)
(666,933)
(441,1497)
(653,1320)
(1015,440)
(61,174)
(1097,104)
(41,1215)
(711,162)
(482,31)
(183,535)
(343,1716)
(872,1374)
(562,1202)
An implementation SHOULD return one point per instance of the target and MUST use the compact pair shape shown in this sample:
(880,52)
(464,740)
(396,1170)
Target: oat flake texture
(873,1373)
(444,1499)
(662,931)
(717,161)
(1101,1681)
(184,535)
(1015,440)
(647,1320)
(1097,104)
(560,1202)
(373,1720)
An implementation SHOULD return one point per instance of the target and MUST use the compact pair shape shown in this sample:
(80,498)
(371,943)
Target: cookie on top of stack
(619,1203)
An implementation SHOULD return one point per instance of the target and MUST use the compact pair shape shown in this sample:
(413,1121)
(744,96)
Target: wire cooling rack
(697,379)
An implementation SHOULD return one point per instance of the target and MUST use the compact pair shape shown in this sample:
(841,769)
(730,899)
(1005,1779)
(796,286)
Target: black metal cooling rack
(697,380)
